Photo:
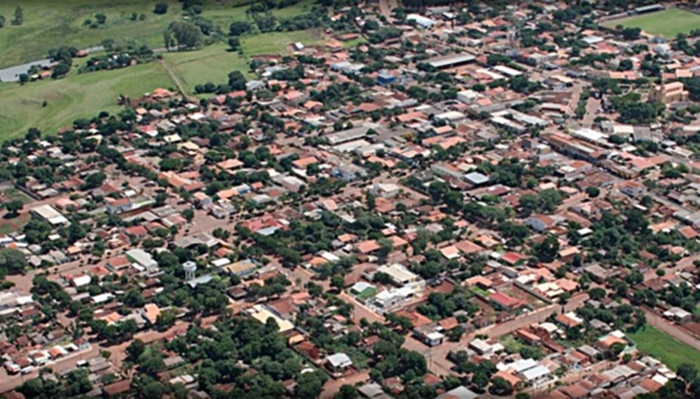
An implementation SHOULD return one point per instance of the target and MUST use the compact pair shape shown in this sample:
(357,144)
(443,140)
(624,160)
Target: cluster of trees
(440,306)
(632,110)
(182,34)
(546,201)
(219,353)
(64,57)
(121,57)
(74,384)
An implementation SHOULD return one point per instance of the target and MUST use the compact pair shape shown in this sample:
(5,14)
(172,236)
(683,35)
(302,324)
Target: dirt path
(177,81)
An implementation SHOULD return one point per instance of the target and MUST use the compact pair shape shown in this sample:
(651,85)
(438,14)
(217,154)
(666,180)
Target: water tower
(190,267)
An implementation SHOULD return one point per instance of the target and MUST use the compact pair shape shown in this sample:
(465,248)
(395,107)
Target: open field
(74,97)
(212,64)
(278,42)
(52,24)
(667,23)
(665,348)
(84,95)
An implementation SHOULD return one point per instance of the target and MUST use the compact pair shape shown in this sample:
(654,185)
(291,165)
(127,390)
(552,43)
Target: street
(655,320)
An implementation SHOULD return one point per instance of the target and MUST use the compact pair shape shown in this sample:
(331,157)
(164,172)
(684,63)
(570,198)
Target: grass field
(50,24)
(214,63)
(665,348)
(277,42)
(667,23)
(74,97)
(211,64)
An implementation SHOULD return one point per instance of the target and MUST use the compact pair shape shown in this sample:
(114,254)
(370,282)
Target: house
(400,275)
(678,315)
(241,268)
(338,362)
(429,335)
(504,301)
(119,205)
(540,223)
(632,188)
(461,392)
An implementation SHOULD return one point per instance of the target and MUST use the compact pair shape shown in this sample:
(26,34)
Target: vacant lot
(665,348)
(211,64)
(52,104)
(278,42)
(667,23)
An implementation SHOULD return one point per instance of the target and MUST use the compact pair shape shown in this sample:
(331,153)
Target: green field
(665,348)
(278,42)
(211,64)
(52,24)
(50,104)
(667,23)
(74,97)
(49,24)
(214,63)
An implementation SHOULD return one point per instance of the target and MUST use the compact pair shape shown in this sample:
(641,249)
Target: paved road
(11,74)
(673,330)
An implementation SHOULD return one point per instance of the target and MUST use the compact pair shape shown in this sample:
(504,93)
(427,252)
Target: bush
(160,8)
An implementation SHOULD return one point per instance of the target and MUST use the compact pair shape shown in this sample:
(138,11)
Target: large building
(669,93)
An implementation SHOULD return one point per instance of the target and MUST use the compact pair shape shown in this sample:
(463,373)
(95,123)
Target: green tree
(135,350)
(346,392)
(310,385)
(188,214)
(19,16)
(500,387)
(186,34)
(234,43)
(160,8)
(548,249)
(687,372)
(13,207)
(12,261)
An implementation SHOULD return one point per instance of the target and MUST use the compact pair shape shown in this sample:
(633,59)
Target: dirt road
(673,330)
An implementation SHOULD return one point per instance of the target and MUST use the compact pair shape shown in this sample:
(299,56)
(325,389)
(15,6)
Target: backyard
(665,348)
(667,23)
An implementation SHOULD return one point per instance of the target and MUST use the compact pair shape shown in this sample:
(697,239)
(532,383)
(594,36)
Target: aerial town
(451,200)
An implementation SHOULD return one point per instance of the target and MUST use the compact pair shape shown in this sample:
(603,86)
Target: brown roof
(117,388)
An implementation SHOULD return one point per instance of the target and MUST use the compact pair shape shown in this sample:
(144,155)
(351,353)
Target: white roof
(589,134)
(535,373)
(339,360)
(519,366)
(51,215)
(507,70)
(81,280)
(398,272)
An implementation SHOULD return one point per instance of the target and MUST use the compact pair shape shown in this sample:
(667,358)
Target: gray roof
(461,392)
(439,62)
(339,360)
(476,178)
